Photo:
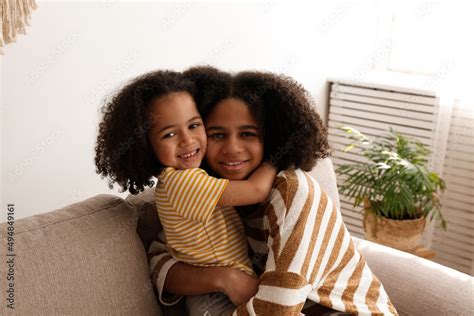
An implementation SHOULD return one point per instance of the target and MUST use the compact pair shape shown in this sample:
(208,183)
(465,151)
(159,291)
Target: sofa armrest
(85,258)
(417,286)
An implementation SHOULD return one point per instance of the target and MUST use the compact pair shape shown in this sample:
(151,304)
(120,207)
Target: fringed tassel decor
(15,15)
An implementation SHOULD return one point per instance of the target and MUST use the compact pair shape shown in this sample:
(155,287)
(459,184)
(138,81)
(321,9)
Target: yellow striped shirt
(198,232)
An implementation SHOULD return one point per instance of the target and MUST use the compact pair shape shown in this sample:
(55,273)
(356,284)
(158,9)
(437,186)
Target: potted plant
(395,186)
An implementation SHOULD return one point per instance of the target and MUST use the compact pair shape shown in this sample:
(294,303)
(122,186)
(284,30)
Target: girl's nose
(232,146)
(185,139)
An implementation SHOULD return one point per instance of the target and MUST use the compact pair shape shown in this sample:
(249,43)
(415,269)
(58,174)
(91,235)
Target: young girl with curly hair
(153,128)
(299,244)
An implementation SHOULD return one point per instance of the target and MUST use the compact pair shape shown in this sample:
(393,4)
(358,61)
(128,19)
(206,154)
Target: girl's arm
(173,279)
(251,191)
(185,279)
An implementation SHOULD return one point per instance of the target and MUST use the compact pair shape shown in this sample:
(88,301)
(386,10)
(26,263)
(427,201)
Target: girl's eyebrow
(248,127)
(215,128)
(170,126)
(197,117)
(221,128)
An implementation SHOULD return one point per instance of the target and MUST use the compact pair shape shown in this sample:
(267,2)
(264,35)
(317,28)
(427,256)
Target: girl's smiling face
(177,134)
(235,147)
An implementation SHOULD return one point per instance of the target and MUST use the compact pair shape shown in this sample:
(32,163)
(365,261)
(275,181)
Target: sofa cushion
(85,258)
(324,173)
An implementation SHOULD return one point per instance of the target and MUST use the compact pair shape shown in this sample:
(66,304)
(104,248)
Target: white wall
(73,54)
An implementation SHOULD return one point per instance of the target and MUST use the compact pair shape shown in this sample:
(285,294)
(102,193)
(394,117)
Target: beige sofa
(89,258)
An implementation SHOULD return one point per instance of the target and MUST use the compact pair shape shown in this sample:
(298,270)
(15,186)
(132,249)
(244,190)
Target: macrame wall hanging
(15,15)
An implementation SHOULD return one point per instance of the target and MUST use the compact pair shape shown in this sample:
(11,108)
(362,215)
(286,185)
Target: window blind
(455,247)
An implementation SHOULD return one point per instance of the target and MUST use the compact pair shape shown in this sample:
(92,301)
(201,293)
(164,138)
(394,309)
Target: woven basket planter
(403,235)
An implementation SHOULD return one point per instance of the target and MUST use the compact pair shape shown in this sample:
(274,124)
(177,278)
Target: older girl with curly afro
(292,131)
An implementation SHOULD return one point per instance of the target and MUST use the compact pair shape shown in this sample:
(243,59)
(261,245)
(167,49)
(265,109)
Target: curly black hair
(293,133)
(123,151)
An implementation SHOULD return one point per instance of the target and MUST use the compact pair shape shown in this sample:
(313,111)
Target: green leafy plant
(395,178)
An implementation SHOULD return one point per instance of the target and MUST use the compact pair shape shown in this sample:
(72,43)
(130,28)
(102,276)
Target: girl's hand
(238,286)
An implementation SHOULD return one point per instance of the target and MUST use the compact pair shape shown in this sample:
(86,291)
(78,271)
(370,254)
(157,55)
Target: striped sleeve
(192,192)
(311,255)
